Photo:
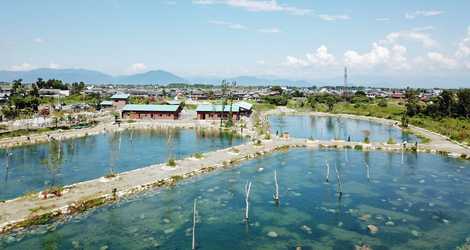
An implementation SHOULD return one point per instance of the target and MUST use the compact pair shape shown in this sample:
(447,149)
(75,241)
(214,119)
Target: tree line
(450,103)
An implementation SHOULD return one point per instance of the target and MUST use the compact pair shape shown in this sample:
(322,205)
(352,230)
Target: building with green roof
(214,112)
(151,111)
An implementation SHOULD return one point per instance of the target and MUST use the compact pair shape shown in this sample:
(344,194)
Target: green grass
(263,106)
(455,128)
(392,111)
(24,132)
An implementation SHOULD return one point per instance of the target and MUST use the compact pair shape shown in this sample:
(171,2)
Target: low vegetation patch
(358,147)
(171,162)
(198,155)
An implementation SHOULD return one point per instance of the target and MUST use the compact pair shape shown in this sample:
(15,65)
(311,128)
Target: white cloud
(377,55)
(270,30)
(423,38)
(38,40)
(137,68)
(257,6)
(170,2)
(22,67)
(392,58)
(294,61)
(440,60)
(463,49)
(322,57)
(423,13)
(382,19)
(229,25)
(54,65)
(327,17)
(261,62)
(424,28)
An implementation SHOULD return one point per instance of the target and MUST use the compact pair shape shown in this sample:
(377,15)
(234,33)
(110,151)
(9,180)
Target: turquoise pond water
(330,127)
(32,168)
(417,201)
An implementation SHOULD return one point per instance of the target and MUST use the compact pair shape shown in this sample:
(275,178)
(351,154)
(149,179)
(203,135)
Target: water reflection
(34,167)
(422,204)
(330,127)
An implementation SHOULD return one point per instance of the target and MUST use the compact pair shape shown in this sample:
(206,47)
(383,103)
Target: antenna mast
(346,82)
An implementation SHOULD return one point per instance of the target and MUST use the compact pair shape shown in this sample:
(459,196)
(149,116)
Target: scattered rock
(445,221)
(272,234)
(340,224)
(422,181)
(415,233)
(372,229)
(260,169)
(105,247)
(364,217)
(142,216)
(306,229)
(390,223)
(166,221)
(169,230)
(362,247)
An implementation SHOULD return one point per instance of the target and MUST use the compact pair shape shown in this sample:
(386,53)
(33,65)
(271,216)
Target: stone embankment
(103,127)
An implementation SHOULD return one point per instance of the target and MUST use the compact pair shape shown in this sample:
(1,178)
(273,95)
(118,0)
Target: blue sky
(293,39)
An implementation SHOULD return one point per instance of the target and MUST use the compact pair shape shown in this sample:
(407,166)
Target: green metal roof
(245,105)
(216,108)
(150,107)
(120,96)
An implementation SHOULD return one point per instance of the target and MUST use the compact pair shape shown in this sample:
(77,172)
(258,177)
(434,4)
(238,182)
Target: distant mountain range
(91,76)
(150,77)
(165,77)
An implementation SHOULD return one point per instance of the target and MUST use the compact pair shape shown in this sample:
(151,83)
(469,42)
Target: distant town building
(151,111)
(246,108)
(106,104)
(120,99)
(54,92)
(213,112)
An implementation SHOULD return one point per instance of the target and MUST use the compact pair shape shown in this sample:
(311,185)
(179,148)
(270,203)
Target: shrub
(366,140)
(171,162)
(198,155)
(391,141)
(358,147)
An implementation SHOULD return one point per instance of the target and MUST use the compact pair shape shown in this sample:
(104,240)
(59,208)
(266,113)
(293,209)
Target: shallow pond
(415,201)
(32,168)
(330,127)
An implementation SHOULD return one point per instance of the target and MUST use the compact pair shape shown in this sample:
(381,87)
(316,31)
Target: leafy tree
(412,102)
(446,103)
(463,103)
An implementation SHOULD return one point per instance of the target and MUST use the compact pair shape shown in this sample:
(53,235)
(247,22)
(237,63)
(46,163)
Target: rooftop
(120,96)
(245,105)
(106,103)
(150,107)
(216,108)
